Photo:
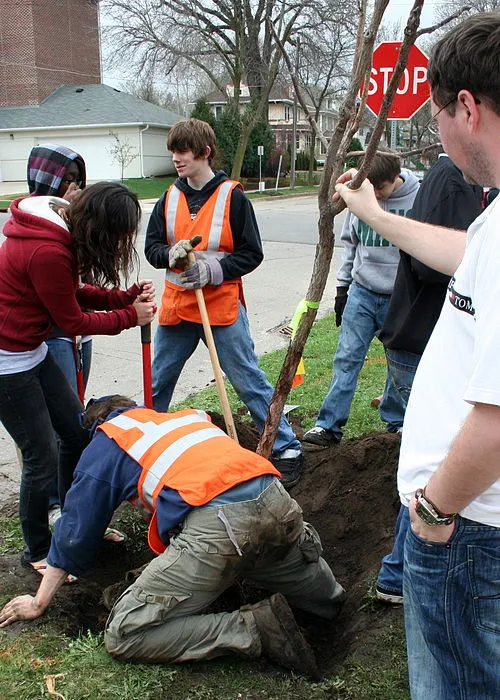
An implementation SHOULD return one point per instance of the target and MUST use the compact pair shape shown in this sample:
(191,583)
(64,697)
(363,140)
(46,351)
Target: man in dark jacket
(445,199)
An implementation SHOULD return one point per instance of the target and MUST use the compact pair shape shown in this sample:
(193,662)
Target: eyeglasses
(432,125)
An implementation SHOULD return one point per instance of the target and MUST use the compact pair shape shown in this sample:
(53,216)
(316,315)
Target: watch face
(424,514)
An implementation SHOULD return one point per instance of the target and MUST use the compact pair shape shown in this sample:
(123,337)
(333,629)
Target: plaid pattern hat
(47,165)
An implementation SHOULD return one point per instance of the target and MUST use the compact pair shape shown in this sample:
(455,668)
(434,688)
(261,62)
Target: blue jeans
(402,366)
(363,316)
(174,345)
(63,353)
(34,404)
(452,614)
(390,575)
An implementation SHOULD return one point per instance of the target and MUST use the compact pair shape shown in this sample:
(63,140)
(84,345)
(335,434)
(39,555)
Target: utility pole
(294,124)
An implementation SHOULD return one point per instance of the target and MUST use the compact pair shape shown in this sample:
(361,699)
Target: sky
(400,9)
(396,10)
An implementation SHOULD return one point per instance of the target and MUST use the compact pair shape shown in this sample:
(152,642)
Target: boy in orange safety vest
(236,521)
(205,203)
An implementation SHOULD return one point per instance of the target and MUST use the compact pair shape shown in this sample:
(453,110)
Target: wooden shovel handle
(212,351)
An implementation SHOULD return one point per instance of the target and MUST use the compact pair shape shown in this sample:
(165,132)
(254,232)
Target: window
(288,113)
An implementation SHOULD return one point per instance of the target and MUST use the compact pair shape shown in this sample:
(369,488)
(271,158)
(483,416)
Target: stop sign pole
(413,90)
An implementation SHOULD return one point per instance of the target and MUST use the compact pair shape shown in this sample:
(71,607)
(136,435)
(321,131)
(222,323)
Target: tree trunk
(337,150)
(239,155)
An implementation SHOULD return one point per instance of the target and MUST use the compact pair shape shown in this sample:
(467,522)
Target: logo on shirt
(460,301)
(370,238)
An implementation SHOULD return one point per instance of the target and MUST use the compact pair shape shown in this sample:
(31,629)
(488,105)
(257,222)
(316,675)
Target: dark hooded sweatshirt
(247,253)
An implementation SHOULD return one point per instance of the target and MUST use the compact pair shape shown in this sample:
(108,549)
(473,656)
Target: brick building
(45,44)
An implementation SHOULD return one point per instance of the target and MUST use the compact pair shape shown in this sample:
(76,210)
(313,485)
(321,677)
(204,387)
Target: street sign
(413,90)
(260,150)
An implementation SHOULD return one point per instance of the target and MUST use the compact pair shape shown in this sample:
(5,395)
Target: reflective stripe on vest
(185,452)
(214,237)
(212,223)
(167,458)
(167,447)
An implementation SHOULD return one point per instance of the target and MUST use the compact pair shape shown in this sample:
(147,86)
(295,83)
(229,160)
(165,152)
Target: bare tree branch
(442,23)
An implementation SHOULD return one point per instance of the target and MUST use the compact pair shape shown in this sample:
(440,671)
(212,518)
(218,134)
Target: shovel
(146,365)
(77,349)
(214,359)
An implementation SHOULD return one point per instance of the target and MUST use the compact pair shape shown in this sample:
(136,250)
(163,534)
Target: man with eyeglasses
(449,469)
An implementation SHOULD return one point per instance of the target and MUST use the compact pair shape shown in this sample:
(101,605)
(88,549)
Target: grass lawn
(153,188)
(318,355)
(374,673)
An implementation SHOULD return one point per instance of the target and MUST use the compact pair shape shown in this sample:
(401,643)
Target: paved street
(289,232)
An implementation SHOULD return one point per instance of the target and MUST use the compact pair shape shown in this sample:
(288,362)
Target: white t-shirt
(460,366)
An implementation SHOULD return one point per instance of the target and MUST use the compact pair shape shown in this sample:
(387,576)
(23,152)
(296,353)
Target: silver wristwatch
(427,511)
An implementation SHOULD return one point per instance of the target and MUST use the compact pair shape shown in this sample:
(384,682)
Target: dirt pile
(347,492)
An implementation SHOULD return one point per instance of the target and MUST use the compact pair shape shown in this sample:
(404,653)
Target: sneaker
(281,639)
(291,465)
(320,436)
(394,429)
(54,513)
(387,596)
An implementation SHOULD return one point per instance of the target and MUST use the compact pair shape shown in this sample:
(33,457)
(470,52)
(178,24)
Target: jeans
(34,404)
(63,353)
(264,540)
(452,614)
(174,345)
(390,575)
(402,366)
(363,316)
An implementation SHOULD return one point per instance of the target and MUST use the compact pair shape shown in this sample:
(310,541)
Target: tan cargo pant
(264,540)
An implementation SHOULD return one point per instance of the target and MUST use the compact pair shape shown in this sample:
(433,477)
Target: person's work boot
(280,636)
(291,465)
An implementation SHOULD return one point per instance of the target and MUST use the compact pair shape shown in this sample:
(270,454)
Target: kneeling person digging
(237,522)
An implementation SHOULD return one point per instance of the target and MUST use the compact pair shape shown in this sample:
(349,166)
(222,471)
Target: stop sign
(413,90)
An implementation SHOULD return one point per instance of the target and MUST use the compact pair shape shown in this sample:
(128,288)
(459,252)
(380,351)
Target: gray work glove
(203,272)
(177,255)
(340,302)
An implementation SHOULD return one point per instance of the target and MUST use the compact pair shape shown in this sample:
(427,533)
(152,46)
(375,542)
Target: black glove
(340,302)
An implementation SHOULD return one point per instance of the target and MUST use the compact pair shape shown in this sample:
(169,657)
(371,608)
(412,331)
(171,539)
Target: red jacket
(39,285)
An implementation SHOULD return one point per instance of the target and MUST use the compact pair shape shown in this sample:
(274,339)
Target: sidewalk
(9,188)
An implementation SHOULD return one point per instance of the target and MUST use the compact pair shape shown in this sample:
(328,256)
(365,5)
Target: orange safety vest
(184,451)
(213,225)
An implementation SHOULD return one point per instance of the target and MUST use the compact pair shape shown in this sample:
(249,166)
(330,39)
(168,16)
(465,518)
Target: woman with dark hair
(49,244)
(59,171)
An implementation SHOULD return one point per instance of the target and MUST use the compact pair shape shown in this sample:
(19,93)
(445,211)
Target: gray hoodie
(368,258)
